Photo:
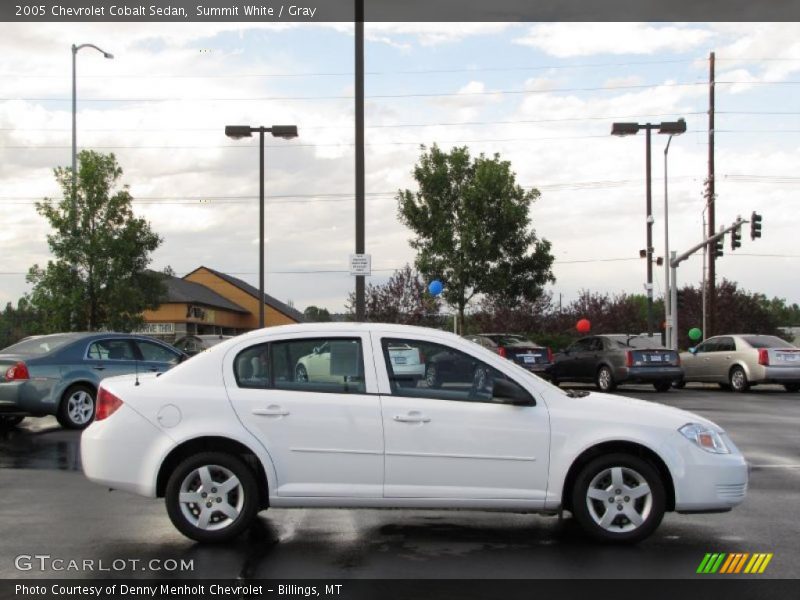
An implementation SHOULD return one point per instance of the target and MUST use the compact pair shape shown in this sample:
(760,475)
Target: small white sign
(360,264)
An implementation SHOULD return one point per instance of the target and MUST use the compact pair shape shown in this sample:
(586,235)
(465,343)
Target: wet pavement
(49,508)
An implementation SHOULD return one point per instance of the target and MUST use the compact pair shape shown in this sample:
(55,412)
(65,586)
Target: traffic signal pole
(676,260)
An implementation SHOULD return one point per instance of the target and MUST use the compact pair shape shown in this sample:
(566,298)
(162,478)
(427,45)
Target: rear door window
(112,349)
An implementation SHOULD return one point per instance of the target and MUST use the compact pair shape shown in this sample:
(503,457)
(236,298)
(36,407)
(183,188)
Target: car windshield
(766,341)
(509,340)
(38,346)
(636,341)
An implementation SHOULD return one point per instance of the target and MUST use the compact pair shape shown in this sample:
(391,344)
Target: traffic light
(718,247)
(736,238)
(680,299)
(755,225)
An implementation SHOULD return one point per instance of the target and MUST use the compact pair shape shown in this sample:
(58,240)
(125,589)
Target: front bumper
(706,482)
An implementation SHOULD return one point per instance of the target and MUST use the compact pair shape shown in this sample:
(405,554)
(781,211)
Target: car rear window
(510,340)
(39,345)
(637,341)
(766,341)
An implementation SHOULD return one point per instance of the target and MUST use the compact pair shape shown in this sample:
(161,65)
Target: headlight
(705,438)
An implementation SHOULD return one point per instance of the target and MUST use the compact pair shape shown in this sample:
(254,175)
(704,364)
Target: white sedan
(221,445)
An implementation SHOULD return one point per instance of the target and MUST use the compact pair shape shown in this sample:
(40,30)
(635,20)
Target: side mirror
(693,349)
(564,351)
(316,349)
(507,392)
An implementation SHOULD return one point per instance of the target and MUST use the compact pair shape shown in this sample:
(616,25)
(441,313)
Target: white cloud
(584,39)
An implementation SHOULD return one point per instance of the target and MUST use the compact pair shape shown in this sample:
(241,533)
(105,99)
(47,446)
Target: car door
(457,441)
(156,357)
(721,359)
(567,365)
(697,366)
(112,356)
(324,437)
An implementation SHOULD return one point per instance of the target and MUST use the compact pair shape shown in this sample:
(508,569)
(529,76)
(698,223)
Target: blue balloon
(435,287)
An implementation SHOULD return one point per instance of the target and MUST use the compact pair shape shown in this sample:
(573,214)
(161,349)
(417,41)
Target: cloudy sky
(542,95)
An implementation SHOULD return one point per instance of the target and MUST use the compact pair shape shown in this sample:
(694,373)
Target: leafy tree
(472,226)
(17,323)
(99,277)
(403,299)
(315,314)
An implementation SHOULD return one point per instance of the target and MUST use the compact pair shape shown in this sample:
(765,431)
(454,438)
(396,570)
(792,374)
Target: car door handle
(412,417)
(271,411)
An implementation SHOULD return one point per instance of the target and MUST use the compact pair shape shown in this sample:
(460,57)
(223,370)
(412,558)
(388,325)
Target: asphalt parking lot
(49,508)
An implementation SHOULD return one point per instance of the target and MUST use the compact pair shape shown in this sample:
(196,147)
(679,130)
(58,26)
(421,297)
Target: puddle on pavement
(23,449)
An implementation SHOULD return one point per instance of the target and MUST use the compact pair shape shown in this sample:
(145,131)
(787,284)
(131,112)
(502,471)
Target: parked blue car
(58,374)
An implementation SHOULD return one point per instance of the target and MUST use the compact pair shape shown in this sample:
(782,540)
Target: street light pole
(668,305)
(75,50)
(241,131)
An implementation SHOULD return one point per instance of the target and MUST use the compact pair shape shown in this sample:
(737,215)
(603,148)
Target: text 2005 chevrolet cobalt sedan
(235,430)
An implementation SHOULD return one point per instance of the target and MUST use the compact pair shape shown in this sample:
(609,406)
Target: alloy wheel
(80,407)
(619,499)
(211,497)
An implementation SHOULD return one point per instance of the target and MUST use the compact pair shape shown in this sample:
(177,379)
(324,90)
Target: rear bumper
(108,445)
(649,374)
(780,375)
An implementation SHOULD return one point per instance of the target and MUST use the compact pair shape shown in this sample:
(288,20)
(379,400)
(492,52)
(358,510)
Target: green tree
(315,314)
(99,276)
(472,229)
(17,323)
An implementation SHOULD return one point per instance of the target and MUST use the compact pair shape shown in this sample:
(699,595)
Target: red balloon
(583,326)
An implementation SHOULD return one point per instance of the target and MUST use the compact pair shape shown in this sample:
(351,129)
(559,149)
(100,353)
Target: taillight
(17,372)
(107,404)
(422,358)
(628,358)
(763,357)
(549,354)
(677,359)
(501,351)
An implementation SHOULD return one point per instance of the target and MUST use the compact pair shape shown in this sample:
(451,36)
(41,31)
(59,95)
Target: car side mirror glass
(693,350)
(508,392)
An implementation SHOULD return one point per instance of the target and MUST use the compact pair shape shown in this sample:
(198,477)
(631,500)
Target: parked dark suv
(611,360)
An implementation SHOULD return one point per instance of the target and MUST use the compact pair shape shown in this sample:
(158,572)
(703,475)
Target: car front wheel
(618,498)
(792,387)
(212,497)
(77,407)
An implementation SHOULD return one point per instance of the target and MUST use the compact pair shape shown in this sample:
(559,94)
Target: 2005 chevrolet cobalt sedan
(235,431)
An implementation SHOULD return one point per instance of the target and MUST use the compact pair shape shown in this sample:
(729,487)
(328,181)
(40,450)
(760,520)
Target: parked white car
(221,444)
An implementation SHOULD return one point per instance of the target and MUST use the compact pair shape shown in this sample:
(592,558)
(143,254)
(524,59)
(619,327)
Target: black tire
(663,386)
(621,529)
(300,374)
(605,380)
(738,380)
(679,384)
(71,416)
(432,378)
(216,463)
(725,387)
(11,421)
(792,387)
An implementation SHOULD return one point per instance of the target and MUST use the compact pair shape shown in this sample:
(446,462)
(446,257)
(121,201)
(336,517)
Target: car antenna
(136,364)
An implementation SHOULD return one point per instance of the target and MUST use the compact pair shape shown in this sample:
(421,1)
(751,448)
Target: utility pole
(360,183)
(711,201)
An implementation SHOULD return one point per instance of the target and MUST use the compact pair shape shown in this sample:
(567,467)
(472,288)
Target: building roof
(249,289)
(180,290)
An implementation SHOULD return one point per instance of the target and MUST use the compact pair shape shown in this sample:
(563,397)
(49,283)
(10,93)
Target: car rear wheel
(77,407)
(663,386)
(679,384)
(605,380)
(792,387)
(212,497)
(11,421)
(618,498)
(738,380)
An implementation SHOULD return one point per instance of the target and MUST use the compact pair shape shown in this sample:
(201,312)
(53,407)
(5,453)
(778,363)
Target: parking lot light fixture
(669,128)
(238,132)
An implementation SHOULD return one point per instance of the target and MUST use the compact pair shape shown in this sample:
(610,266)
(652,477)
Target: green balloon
(695,334)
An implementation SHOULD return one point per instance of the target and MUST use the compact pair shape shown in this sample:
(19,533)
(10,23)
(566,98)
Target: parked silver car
(738,361)
(58,374)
